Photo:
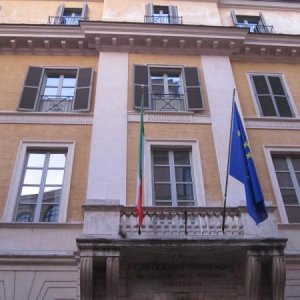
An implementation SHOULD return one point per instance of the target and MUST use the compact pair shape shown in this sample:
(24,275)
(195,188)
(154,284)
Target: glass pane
(160,157)
(29,193)
(283,107)
(185,191)
(260,84)
(33,177)
(161,174)
(162,191)
(57,160)
(183,174)
(296,163)
(158,89)
(69,82)
(298,178)
(289,196)
(52,80)
(182,157)
(55,177)
(284,179)
(36,160)
(50,91)
(293,213)
(52,194)
(174,80)
(174,90)
(25,213)
(49,213)
(280,164)
(276,85)
(157,79)
(68,92)
(267,106)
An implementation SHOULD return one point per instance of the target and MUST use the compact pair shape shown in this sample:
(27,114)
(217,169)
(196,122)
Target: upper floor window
(271,95)
(57,90)
(69,16)
(168,89)
(287,168)
(256,24)
(162,14)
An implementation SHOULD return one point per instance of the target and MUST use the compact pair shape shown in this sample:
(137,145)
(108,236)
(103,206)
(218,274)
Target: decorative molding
(45,118)
(169,117)
(273,123)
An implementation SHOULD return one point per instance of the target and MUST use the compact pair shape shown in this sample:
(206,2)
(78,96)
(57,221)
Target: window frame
(16,181)
(287,91)
(196,168)
(284,151)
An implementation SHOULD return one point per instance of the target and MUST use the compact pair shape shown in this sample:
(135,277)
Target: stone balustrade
(177,222)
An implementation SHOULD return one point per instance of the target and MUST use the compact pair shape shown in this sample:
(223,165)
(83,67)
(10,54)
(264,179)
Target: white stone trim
(269,150)
(45,118)
(17,176)
(273,123)
(197,173)
(166,117)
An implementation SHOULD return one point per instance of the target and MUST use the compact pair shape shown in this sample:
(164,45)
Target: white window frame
(196,167)
(290,98)
(16,181)
(269,151)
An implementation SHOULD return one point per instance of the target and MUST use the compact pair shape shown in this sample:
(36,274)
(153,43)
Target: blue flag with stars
(243,169)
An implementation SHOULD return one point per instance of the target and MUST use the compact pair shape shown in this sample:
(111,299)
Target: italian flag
(139,181)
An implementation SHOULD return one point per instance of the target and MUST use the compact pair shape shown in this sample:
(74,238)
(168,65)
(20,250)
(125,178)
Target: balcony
(257,28)
(55,103)
(168,102)
(163,19)
(65,20)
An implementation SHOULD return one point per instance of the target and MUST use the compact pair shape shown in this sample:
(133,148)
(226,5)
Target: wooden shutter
(149,13)
(141,88)
(59,14)
(83,90)
(193,89)
(173,13)
(29,95)
(262,24)
(234,19)
(85,11)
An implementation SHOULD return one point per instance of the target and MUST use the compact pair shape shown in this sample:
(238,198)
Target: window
(41,182)
(256,24)
(172,177)
(168,89)
(69,16)
(271,95)
(287,168)
(162,14)
(57,90)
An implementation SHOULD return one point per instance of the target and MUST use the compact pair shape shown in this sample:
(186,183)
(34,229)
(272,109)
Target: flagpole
(228,163)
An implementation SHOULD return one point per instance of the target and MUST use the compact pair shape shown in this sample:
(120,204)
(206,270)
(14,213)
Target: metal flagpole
(228,164)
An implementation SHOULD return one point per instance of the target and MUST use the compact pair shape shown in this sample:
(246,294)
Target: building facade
(72,78)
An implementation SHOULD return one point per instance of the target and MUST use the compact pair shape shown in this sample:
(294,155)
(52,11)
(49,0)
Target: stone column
(253,277)
(112,277)
(86,278)
(278,277)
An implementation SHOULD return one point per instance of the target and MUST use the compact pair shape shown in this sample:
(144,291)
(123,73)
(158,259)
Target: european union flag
(243,169)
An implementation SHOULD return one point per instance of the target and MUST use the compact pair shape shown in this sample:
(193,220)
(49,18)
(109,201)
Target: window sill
(289,226)
(273,123)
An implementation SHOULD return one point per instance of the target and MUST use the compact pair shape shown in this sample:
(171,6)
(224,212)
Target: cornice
(273,123)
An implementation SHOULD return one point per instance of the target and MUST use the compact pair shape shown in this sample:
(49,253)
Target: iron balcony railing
(55,103)
(257,28)
(65,20)
(163,19)
(168,102)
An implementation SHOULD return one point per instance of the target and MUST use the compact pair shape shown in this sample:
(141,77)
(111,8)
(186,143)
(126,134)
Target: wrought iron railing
(179,222)
(65,20)
(257,28)
(163,19)
(168,102)
(55,103)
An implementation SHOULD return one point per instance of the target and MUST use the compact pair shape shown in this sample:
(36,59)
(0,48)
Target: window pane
(25,213)
(162,191)
(29,193)
(52,194)
(296,163)
(161,174)
(33,177)
(289,196)
(293,213)
(298,178)
(157,80)
(55,177)
(267,106)
(52,80)
(284,179)
(175,90)
(36,160)
(50,91)
(185,192)
(183,174)
(283,107)
(174,80)
(260,84)
(181,157)
(158,89)
(68,92)
(276,85)
(49,213)
(160,157)
(70,82)
(57,160)
(280,164)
